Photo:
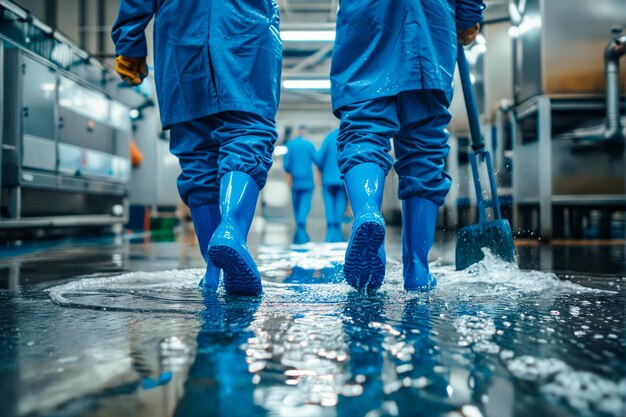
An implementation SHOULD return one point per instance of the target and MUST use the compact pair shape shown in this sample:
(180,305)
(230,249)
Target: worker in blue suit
(396,82)
(333,189)
(217,66)
(298,164)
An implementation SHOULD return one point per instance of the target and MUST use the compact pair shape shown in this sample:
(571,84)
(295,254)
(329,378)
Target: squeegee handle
(480,153)
(470,100)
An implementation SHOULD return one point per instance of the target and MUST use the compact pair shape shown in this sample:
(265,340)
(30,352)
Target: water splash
(312,343)
(166,291)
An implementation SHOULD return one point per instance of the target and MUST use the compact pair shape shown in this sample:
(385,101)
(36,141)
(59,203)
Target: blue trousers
(334,203)
(212,146)
(417,121)
(301,200)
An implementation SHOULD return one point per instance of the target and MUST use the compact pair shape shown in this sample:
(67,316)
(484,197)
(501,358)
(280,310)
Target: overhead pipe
(612,55)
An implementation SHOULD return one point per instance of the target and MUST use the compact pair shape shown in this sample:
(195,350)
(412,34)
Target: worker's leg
(340,203)
(198,184)
(295,204)
(246,144)
(340,209)
(329,204)
(363,145)
(335,205)
(329,211)
(301,208)
(421,149)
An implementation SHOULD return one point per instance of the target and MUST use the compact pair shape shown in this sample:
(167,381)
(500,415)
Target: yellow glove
(467,36)
(132,70)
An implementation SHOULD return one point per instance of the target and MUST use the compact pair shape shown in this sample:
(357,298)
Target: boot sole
(363,266)
(239,278)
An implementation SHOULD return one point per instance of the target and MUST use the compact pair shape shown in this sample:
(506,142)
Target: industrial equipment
(568,141)
(65,130)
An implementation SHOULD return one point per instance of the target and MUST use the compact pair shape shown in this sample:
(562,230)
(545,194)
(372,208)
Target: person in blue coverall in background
(391,77)
(218,67)
(298,164)
(333,189)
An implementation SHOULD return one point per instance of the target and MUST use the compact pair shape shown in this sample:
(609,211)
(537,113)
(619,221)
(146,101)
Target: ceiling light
(530,23)
(308,35)
(514,13)
(479,49)
(47,87)
(306,84)
(514,32)
(470,56)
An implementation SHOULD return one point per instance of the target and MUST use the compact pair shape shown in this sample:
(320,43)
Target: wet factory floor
(116,326)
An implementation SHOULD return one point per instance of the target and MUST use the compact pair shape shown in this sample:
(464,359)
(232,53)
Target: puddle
(488,341)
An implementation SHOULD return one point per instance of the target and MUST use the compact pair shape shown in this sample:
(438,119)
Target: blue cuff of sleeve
(467,24)
(137,49)
(469,13)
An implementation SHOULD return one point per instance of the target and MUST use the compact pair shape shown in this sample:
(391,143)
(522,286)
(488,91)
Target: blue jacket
(327,160)
(210,56)
(385,47)
(299,160)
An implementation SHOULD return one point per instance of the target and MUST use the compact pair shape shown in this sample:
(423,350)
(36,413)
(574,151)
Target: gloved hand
(132,70)
(467,36)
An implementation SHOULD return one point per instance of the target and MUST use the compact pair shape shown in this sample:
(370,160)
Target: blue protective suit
(298,162)
(327,160)
(333,190)
(210,147)
(386,47)
(210,56)
(391,76)
(416,120)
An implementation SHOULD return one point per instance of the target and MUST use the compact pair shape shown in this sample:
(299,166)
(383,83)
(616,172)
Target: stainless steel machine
(568,142)
(65,130)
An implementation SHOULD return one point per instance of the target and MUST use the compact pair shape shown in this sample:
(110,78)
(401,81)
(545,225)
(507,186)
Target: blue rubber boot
(364,267)
(333,234)
(205,221)
(419,219)
(301,236)
(227,248)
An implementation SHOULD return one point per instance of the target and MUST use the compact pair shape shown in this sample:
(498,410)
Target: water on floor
(132,335)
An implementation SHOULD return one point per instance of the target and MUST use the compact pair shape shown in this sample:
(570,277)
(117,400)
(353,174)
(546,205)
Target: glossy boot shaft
(364,266)
(419,219)
(228,249)
(205,221)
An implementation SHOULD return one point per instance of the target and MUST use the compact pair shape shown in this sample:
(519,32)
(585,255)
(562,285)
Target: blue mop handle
(470,100)
(478,146)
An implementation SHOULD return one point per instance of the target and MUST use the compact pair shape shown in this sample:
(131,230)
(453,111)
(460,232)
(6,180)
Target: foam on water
(530,368)
(586,392)
(583,391)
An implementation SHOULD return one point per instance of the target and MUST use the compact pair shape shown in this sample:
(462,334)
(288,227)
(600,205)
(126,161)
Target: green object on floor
(162,228)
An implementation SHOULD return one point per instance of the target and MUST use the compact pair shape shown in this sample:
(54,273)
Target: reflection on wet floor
(130,334)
